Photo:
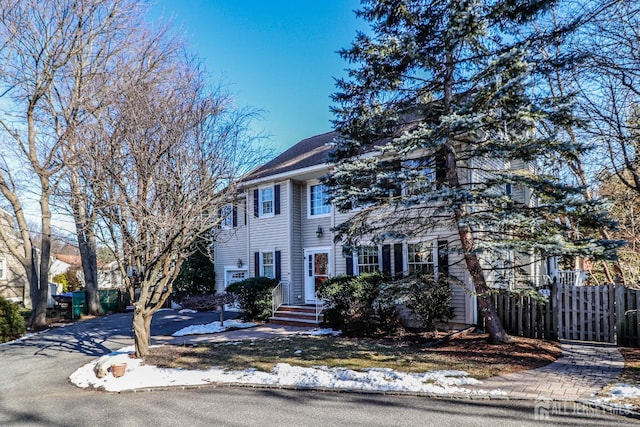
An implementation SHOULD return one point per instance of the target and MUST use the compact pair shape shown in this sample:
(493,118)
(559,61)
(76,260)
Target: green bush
(360,305)
(429,300)
(11,321)
(253,295)
(196,277)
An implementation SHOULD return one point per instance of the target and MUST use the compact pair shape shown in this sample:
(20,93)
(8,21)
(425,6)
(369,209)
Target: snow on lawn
(283,374)
(620,392)
(212,328)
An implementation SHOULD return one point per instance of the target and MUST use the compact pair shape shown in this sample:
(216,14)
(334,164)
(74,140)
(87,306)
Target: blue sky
(275,55)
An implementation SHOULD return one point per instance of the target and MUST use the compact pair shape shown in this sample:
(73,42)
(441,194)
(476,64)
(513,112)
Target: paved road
(34,390)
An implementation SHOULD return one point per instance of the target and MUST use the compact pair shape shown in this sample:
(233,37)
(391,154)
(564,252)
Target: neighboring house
(281,225)
(13,279)
(108,272)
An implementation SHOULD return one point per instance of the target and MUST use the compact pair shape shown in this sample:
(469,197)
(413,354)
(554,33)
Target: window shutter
(221,218)
(276,199)
(235,216)
(278,257)
(398,264)
(443,257)
(349,261)
(256,262)
(441,166)
(256,201)
(386,260)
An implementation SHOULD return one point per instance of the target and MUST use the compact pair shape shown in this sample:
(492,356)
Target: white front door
(317,270)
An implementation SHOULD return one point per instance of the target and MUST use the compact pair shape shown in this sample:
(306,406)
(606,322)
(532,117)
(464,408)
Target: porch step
(296,315)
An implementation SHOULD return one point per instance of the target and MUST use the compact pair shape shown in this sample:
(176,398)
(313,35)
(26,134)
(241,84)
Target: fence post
(554,325)
(620,317)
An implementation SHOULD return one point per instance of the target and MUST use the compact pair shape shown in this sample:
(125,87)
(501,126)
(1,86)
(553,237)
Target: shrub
(253,295)
(11,321)
(359,305)
(196,278)
(429,300)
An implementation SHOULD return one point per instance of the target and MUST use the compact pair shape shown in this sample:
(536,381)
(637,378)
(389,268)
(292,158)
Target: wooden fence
(587,313)
(628,321)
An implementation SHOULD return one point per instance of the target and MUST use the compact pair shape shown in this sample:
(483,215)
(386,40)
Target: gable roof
(306,153)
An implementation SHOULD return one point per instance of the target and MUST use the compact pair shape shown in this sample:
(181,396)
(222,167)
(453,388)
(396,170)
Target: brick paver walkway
(582,371)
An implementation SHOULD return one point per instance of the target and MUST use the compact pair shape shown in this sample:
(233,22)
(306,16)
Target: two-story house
(281,225)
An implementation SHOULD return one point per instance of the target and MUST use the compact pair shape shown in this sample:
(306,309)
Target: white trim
(224,216)
(261,261)
(356,266)
(314,183)
(312,250)
(287,175)
(234,268)
(271,214)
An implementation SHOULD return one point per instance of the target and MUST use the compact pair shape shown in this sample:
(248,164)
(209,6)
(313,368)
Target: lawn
(630,374)
(472,354)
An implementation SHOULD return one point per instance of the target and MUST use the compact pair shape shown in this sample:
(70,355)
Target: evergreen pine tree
(442,93)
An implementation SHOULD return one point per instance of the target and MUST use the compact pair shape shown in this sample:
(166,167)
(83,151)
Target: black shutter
(386,260)
(349,260)
(235,216)
(278,265)
(443,257)
(256,263)
(221,218)
(276,199)
(398,264)
(441,166)
(256,210)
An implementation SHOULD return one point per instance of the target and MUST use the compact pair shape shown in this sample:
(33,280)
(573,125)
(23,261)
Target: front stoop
(296,315)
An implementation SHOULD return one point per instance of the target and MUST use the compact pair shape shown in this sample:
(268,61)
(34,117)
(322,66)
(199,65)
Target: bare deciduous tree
(162,164)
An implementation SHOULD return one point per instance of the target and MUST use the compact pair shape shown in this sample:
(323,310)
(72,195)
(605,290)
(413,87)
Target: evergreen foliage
(253,295)
(428,299)
(11,321)
(443,92)
(358,306)
(196,277)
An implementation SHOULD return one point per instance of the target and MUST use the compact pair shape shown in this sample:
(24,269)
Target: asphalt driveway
(34,391)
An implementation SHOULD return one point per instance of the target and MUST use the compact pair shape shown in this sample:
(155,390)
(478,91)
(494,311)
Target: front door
(317,270)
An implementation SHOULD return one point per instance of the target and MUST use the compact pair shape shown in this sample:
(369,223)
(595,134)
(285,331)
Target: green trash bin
(78,304)
(109,300)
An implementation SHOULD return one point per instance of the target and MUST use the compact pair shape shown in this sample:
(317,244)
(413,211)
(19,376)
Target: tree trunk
(141,330)
(493,323)
(87,246)
(86,243)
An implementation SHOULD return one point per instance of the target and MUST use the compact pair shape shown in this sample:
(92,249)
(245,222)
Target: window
(318,204)
(420,258)
(267,265)
(3,268)
(227,216)
(265,203)
(368,261)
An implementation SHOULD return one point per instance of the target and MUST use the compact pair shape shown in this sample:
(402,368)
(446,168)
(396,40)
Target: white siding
(231,246)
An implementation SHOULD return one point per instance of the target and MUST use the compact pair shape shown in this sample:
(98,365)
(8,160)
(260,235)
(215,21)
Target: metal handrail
(319,307)
(279,297)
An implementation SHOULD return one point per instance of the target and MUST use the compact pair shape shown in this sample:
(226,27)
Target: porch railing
(571,277)
(319,307)
(279,296)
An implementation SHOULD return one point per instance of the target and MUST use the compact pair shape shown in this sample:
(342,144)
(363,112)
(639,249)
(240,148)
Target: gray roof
(308,152)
